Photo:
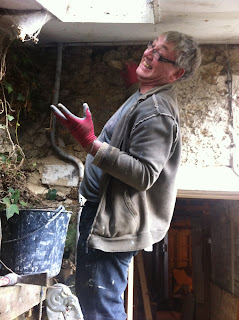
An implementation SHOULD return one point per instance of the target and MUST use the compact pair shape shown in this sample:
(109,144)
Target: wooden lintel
(208,183)
(206,194)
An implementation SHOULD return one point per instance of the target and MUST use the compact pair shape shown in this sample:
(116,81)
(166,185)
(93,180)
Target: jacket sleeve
(150,145)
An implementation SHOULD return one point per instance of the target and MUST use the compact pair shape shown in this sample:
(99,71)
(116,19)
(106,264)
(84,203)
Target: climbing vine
(17,84)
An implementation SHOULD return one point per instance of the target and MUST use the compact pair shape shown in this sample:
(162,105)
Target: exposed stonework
(210,131)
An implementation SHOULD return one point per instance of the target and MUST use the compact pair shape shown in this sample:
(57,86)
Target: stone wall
(209,114)
(209,121)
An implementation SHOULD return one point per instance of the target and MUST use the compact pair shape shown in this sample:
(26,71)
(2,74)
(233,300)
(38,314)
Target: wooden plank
(165,271)
(18,299)
(144,288)
(232,226)
(197,249)
(229,306)
(207,194)
(224,306)
(130,290)
(216,301)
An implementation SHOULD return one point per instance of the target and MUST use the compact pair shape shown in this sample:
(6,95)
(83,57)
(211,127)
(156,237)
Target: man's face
(151,72)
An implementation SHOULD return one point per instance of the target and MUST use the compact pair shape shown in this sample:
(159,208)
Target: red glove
(82,129)
(130,76)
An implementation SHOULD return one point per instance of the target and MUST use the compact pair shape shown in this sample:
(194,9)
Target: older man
(130,173)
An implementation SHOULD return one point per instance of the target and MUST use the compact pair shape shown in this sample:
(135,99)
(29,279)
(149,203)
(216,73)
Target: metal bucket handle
(61,208)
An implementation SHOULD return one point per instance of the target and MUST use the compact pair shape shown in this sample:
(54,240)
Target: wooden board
(144,287)
(130,291)
(224,305)
(15,300)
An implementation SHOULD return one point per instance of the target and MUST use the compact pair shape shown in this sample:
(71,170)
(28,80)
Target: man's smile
(146,65)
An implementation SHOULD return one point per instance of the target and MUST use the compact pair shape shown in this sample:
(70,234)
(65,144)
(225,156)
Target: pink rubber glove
(82,129)
(130,76)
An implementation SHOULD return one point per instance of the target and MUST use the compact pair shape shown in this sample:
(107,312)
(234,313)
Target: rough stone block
(60,175)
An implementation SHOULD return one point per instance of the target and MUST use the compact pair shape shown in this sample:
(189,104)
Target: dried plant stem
(3,63)
(15,147)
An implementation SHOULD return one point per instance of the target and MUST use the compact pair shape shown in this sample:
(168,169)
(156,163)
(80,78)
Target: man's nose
(149,53)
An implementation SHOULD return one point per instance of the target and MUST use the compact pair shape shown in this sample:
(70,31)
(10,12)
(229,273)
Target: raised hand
(129,75)
(82,129)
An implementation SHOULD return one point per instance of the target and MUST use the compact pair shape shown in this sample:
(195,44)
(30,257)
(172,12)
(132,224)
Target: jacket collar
(155,90)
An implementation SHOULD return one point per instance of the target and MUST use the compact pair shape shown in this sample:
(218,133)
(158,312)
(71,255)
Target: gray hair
(188,52)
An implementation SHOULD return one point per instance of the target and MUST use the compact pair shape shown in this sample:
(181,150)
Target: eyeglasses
(157,54)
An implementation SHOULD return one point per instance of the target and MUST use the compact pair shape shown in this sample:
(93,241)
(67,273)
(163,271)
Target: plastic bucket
(33,241)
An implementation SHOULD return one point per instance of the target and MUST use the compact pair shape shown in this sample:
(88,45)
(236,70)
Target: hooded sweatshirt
(139,165)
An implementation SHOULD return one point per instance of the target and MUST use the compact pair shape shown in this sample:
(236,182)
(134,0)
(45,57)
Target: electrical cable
(56,90)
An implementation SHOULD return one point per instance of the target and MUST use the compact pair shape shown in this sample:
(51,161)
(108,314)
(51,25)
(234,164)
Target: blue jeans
(101,277)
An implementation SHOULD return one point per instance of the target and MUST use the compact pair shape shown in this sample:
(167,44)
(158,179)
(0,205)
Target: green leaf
(11,190)
(70,243)
(20,97)
(15,195)
(3,158)
(8,86)
(23,203)
(7,202)
(10,118)
(13,208)
(51,194)
(19,157)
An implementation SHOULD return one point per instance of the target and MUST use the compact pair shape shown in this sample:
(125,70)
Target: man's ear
(178,74)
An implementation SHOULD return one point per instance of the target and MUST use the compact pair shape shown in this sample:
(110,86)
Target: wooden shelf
(17,299)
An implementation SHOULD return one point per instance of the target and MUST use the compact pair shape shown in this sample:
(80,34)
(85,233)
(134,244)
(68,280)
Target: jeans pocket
(125,257)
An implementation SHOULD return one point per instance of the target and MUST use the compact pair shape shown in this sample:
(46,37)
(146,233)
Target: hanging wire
(55,101)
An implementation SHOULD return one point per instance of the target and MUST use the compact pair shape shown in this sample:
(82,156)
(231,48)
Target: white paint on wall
(60,175)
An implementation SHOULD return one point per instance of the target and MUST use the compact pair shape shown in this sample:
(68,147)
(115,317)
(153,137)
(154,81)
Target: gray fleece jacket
(138,189)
